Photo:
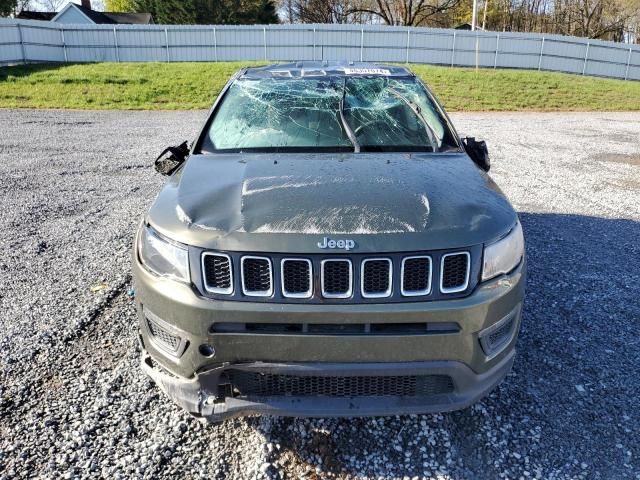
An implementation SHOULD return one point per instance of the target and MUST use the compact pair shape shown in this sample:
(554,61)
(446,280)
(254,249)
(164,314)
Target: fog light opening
(499,335)
(206,350)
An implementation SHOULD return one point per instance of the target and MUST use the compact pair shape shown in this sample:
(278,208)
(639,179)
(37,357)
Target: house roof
(130,18)
(110,17)
(29,15)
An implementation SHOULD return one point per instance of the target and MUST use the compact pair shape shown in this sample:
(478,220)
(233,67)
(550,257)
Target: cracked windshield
(328,114)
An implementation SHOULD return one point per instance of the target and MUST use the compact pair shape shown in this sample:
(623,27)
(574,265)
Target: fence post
(264,39)
(115,43)
(166,41)
(477,50)
(64,44)
(495,59)
(408,40)
(24,56)
(626,72)
(586,57)
(361,43)
(215,45)
(313,55)
(541,52)
(453,48)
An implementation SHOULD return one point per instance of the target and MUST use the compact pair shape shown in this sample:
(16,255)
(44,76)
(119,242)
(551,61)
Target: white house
(74,13)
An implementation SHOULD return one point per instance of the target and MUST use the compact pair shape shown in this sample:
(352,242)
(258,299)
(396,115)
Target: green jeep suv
(328,246)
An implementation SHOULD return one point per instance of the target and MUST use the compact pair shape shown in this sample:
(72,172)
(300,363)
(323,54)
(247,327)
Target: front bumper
(197,395)
(198,380)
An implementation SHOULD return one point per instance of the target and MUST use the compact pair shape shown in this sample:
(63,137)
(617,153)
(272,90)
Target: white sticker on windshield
(367,71)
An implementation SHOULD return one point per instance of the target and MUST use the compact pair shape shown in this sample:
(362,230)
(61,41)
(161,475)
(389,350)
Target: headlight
(163,257)
(504,255)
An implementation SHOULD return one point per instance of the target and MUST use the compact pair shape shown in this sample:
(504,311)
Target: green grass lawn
(170,86)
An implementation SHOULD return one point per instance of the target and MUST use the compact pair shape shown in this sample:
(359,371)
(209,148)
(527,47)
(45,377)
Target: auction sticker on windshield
(366,71)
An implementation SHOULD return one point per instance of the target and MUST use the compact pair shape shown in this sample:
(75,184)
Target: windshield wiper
(345,125)
(416,109)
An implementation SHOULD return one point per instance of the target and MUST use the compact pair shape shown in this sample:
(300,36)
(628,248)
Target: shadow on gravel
(571,406)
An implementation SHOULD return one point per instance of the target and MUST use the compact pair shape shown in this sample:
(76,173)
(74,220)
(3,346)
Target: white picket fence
(35,41)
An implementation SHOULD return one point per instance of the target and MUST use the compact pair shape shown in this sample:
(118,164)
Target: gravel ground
(73,401)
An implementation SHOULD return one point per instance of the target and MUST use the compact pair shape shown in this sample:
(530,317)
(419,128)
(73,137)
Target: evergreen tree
(221,12)
(168,12)
(7,7)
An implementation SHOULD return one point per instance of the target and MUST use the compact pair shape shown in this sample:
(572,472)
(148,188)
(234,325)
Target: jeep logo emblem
(343,244)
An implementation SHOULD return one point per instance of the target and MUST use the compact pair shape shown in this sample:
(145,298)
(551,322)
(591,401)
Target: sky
(45,5)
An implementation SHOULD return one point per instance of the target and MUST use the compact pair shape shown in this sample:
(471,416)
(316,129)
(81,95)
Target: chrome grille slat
(336,278)
(454,272)
(296,277)
(217,273)
(257,276)
(416,275)
(376,277)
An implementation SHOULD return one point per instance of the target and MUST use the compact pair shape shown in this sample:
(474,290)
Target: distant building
(28,15)
(467,26)
(84,14)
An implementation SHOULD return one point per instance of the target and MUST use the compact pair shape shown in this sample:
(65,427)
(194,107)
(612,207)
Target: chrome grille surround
(256,293)
(416,293)
(283,277)
(209,288)
(323,266)
(462,286)
(363,278)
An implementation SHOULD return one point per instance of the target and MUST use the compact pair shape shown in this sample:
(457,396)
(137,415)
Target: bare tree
(326,11)
(617,20)
(51,5)
(407,12)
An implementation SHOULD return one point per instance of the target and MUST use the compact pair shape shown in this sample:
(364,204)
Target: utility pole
(473,15)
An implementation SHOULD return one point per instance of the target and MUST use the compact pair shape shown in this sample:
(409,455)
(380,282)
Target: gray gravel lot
(73,401)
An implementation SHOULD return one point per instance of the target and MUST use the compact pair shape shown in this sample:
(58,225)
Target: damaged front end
(327,390)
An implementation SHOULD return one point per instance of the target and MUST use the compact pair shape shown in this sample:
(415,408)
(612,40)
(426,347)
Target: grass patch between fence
(178,86)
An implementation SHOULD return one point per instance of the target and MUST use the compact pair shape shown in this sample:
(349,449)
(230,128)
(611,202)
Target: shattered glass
(279,113)
(373,113)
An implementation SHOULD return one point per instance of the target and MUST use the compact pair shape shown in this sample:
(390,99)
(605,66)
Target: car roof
(326,68)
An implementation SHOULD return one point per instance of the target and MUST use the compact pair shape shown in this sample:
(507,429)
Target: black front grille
(217,272)
(268,385)
(375,277)
(416,275)
(162,336)
(344,278)
(454,271)
(336,278)
(296,277)
(256,275)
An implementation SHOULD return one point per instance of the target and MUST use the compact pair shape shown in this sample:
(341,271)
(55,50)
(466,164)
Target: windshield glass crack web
(276,114)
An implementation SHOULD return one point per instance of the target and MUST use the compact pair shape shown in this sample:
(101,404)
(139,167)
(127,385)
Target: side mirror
(478,152)
(171,158)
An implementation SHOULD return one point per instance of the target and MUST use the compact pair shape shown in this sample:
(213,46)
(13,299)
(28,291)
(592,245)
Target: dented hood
(289,202)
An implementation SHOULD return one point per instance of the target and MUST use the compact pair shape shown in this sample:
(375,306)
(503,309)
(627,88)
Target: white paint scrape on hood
(298,195)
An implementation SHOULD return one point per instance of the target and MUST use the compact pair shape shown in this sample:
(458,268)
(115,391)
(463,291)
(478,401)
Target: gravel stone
(75,404)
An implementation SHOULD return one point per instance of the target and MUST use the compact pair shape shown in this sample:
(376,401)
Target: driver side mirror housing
(171,158)
(477,150)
